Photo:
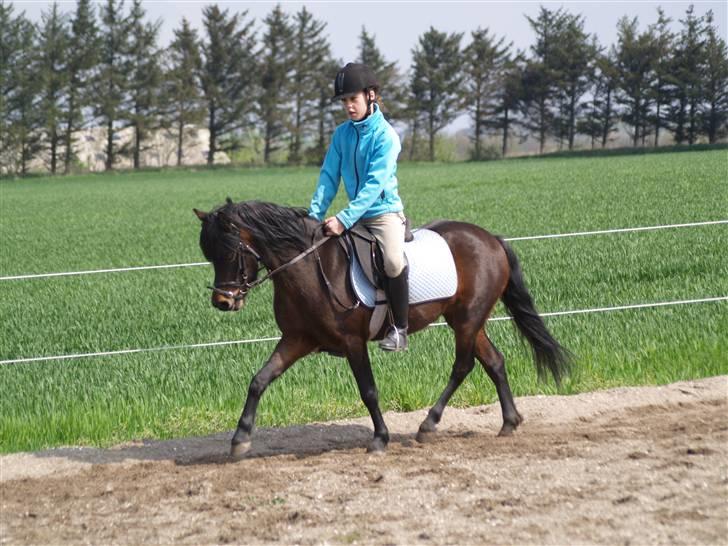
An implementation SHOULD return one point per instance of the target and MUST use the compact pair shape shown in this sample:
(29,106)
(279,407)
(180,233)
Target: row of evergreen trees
(270,88)
(567,84)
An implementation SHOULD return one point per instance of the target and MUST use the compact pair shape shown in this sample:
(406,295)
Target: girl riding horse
(364,153)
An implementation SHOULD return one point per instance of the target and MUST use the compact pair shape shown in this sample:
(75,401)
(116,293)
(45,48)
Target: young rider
(363,151)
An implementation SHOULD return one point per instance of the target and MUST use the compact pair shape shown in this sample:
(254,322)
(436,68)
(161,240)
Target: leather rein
(243,286)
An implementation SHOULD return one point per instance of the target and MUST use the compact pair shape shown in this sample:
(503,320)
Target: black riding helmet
(351,79)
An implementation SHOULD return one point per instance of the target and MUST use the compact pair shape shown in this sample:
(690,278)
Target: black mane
(278,229)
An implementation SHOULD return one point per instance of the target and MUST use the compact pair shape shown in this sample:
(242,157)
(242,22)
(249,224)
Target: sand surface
(644,465)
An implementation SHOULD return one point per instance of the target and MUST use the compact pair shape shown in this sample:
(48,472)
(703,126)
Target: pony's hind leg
(361,367)
(464,363)
(494,364)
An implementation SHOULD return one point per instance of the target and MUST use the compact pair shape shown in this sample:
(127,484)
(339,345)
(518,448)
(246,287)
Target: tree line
(268,88)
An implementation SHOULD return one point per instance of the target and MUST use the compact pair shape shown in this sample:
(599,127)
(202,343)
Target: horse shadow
(300,441)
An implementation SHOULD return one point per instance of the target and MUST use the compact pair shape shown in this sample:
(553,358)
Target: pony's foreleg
(358,358)
(494,365)
(464,363)
(285,354)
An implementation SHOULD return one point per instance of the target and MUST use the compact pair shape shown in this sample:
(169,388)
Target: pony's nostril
(222,304)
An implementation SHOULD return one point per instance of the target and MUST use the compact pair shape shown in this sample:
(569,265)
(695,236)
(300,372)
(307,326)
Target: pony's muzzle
(227,300)
(225,303)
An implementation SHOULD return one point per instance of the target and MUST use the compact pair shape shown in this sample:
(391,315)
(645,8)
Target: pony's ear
(229,201)
(201,215)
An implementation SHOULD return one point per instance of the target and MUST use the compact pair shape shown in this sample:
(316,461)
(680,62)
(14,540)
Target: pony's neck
(273,259)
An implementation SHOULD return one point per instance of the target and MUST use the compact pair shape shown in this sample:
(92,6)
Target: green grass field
(133,219)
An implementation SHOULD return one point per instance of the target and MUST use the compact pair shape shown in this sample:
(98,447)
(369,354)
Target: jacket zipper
(356,171)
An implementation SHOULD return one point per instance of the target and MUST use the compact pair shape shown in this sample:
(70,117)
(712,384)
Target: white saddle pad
(432,274)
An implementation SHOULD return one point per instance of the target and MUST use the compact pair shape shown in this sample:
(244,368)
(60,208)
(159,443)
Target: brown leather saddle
(360,244)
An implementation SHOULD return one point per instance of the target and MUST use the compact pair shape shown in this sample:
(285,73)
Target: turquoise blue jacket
(363,153)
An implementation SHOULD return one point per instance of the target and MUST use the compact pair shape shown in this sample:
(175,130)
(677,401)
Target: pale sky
(397,25)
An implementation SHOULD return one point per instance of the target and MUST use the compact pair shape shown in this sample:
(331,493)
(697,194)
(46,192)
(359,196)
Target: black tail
(547,352)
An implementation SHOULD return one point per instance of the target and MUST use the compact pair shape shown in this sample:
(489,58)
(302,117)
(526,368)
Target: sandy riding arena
(625,466)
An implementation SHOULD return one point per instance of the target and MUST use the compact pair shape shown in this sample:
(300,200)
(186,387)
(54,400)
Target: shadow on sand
(299,441)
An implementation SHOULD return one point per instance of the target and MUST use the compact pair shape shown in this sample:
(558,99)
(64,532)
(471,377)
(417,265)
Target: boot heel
(395,341)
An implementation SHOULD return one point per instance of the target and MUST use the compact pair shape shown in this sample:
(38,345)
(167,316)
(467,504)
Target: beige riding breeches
(389,231)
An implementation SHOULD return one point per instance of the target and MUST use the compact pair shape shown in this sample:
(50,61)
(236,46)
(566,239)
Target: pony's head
(239,238)
(228,248)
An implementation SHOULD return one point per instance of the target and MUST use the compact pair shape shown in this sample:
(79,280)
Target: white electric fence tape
(196,264)
(266,339)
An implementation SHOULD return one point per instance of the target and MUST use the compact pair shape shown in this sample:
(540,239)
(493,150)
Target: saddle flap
(365,248)
(366,251)
(362,232)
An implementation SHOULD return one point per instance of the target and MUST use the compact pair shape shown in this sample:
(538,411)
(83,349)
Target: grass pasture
(133,219)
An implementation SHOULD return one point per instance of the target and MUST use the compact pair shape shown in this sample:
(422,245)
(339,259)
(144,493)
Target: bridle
(239,289)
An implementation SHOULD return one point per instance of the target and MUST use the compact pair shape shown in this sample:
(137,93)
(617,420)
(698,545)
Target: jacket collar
(369,122)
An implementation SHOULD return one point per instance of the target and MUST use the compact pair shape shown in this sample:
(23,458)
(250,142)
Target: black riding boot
(397,289)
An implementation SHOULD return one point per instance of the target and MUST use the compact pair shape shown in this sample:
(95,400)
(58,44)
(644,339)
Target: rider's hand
(332,226)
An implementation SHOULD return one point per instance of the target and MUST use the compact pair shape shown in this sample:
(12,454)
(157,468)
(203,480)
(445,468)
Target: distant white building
(160,148)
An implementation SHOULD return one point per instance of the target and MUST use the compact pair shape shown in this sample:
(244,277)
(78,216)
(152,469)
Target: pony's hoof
(426,432)
(425,436)
(507,430)
(239,450)
(510,424)
(377,447)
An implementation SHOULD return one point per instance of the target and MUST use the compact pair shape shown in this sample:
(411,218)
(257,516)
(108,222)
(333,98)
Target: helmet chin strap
(370,102)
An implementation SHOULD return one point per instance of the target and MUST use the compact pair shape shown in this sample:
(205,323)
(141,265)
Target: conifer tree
(311,87)
(82,57)
(589,124)
(689,55)
(228,78)
(9,57)
(714,109)
(660,90)
(417,95)
(536,110)
(635,75)
(275,68)
(144,80)
(53,49)
(391,83)
(25,130)
(509,99)
(110,83)
(184,106)
(436,63)
(485,64)
(573,66)
(325,111)
(600,120)
(608,67)
(540,78)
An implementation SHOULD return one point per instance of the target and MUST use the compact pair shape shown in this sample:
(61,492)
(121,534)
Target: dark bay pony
(313,304)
